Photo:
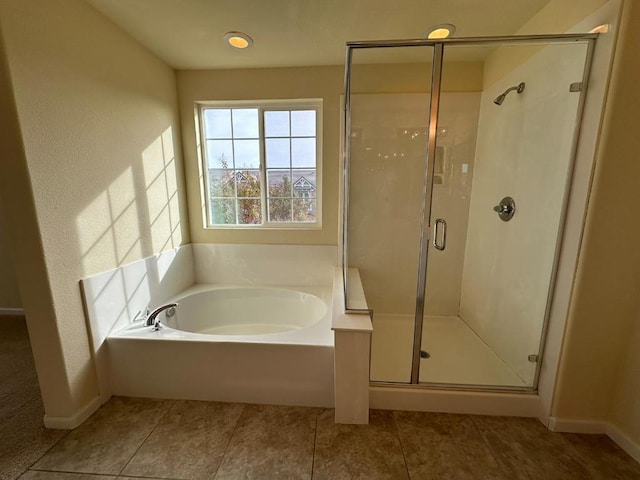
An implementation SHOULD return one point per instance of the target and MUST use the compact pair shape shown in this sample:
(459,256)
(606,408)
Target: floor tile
(271,442)
(369,452)
(37,475)
(603,458)
(107,441)
(526,449)
(188,443)
(138,478)
(445,446)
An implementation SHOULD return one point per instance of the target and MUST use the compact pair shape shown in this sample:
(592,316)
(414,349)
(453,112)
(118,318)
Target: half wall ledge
(352,353)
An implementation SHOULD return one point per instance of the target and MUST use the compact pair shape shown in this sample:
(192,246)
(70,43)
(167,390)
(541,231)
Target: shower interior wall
(387,177)
(523,151)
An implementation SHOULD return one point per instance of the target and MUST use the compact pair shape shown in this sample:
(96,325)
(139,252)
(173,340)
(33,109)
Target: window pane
(247,153)
(249,211)
(278,152)
(248,183)
(303,123)
(304,183)
(304,210)
(279,183)
(217,123)
(221,183)
(303,152)
(223,211)
(280,210)
(219,154)
(276,124)
(245,123)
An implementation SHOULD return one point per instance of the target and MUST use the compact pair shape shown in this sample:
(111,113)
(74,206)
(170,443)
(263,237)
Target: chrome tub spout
(151,319)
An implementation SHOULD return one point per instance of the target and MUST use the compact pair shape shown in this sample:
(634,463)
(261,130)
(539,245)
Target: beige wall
(290,83)
(263,84)
(599,365)
(625,408)
(558,16)
(102,178)
(9,292)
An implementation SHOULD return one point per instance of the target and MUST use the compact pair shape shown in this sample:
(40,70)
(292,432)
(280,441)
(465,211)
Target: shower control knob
(506,209)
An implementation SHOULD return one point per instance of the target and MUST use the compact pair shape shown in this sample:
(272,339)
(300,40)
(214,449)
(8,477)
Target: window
(262,163)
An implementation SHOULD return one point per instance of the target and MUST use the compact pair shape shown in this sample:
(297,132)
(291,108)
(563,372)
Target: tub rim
(317,334)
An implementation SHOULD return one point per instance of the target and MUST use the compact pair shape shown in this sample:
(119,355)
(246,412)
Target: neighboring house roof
(303,184)
(304,180)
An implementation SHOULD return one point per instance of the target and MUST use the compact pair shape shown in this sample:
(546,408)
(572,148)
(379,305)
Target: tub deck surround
(113,299)
(231,264)
(288,368)
(352,352)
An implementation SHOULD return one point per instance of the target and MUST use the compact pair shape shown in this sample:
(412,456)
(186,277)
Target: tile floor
(141,438)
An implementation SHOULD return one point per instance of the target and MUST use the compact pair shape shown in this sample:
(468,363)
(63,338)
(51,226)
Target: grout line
(404,457)
(70,472)
(62,437)
(488,445)
(150,478)
(226,449)
(171,405)
(114,475)
(315,443)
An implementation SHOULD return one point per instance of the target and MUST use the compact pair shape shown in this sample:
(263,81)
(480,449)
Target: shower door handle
(440,245)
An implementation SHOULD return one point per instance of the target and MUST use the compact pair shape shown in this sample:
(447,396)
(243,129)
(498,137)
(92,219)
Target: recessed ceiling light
(604,28)
(238,39)
(442,30)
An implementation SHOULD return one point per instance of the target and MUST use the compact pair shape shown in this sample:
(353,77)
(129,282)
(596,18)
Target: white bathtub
(232,343)
(216,310)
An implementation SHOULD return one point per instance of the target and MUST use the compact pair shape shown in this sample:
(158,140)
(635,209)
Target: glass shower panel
(503,160)
(388,145)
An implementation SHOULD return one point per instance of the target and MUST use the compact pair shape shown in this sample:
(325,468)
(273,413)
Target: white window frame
(262,106)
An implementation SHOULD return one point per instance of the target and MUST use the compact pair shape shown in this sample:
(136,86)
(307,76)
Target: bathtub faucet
(151,319)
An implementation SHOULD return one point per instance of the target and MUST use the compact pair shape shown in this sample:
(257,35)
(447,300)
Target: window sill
(257,228)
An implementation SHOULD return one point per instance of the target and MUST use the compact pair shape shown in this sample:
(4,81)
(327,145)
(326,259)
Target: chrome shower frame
(436,76)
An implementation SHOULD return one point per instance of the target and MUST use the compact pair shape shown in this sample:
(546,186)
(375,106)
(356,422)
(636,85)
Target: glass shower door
(389,104)
(502,166)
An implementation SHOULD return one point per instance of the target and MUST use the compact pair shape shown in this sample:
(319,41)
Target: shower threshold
(457,355)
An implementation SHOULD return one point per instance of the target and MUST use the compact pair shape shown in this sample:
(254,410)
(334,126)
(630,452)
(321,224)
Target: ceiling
(187,34)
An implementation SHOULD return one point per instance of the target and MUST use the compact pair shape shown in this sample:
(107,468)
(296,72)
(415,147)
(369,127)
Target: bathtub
(249,344)
(253,314)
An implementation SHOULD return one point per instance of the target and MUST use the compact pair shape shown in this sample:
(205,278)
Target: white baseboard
(12,311)
(556,424)
(623,441)
(594,426)
(73,421)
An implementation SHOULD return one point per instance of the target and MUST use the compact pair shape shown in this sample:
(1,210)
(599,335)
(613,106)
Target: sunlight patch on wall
(108,228)
(161,184)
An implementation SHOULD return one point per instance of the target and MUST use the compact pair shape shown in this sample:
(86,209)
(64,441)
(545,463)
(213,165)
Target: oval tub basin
(245,311)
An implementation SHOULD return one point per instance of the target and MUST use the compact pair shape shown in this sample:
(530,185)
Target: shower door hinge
(575,87)
(533,358)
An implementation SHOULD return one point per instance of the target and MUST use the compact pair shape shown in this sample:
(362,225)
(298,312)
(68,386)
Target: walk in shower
(458,156)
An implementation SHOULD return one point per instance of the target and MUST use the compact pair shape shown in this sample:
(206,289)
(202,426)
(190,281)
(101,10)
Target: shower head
(500,98)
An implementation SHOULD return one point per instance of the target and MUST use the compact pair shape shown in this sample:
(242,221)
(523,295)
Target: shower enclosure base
(456,354)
